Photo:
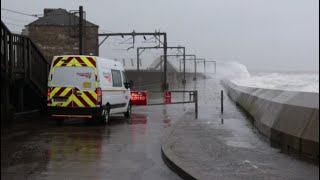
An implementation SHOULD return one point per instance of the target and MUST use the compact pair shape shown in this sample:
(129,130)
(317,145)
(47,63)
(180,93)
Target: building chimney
(46,11)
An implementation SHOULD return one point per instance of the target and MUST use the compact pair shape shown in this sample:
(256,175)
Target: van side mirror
(128,84)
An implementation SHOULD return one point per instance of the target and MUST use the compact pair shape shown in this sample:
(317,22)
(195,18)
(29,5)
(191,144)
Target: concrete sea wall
(289,119)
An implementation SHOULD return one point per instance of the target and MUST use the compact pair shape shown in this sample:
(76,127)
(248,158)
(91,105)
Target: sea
(304,81)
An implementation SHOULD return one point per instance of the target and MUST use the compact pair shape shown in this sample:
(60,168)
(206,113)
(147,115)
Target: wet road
(125,149)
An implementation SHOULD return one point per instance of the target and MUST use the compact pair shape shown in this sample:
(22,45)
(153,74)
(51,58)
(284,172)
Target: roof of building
(59,17)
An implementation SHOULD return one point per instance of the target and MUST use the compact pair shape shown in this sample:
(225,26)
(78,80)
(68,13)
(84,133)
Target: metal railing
(21,59)
(193,98)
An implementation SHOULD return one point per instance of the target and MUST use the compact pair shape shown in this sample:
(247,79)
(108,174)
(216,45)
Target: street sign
(139,98)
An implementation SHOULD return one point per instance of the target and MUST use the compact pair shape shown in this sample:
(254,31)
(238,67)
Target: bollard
(196,103)
(221,102)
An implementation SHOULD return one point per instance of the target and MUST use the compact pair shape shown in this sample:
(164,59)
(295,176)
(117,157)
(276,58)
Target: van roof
(97,57)
(74,55)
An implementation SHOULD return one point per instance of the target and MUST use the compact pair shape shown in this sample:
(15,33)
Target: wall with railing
(21,62)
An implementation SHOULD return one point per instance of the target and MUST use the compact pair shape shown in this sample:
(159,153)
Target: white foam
(238,73)
(228,70)
(306,82)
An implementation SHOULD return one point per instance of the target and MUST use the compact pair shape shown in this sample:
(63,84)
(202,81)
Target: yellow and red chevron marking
(86,99)
(61,91)
(74,61)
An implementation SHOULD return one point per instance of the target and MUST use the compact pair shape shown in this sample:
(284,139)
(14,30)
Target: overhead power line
(17,12)
(17,20)
(103,30)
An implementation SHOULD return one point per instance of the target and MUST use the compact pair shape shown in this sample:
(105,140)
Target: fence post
(6,55)
(221,102)
(29,60)
(196,103)
(25,58)
(11,57)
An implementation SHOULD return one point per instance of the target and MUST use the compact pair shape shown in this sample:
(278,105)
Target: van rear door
(73,86)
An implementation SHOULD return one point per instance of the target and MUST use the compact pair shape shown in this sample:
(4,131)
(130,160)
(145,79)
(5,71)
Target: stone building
(57,33)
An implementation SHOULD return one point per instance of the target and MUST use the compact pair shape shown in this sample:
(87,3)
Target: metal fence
(21,59)
(22,64)
(191,95)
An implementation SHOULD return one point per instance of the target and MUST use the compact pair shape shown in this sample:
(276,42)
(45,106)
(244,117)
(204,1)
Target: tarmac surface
(227,146)
(214,146)
(124,149)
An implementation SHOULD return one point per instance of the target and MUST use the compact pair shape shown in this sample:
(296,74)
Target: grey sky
(261,34)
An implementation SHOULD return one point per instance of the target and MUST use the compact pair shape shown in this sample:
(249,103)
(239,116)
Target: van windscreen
(80,77)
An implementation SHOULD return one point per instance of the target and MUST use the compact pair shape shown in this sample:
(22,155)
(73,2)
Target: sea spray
(227,70)
(239,74)
(298,81)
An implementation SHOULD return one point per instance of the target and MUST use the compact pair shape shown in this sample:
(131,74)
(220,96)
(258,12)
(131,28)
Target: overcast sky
(261,34)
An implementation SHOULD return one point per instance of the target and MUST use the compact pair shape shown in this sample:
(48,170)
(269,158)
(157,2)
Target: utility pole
(80,30)
(165,85)
(134,34)
(165,60)
(215,66)
(204,62)
(184,65)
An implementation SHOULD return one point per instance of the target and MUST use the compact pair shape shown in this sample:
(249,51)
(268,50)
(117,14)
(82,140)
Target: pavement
(226,146)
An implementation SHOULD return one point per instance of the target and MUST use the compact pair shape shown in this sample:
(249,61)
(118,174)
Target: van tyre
(105,115)
(128,113)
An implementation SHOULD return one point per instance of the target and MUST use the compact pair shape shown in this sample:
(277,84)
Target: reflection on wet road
(131,149)
(125,149)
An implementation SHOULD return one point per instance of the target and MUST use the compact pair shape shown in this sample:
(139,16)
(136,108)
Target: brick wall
(63,40)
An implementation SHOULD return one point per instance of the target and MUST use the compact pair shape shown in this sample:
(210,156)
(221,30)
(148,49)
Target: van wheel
(59,121)
(106,115)
(128,113)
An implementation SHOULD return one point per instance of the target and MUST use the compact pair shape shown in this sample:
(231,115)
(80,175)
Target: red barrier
(167,97)
(139,98)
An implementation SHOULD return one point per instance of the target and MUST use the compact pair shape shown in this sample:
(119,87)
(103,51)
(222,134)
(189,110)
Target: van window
(106,75)
(80,77)
(116,78)
(124,76)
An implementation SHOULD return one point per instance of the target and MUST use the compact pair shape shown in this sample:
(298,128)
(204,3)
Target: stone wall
(63,40)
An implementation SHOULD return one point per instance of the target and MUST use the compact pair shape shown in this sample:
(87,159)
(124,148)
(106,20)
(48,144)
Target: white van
(87,87)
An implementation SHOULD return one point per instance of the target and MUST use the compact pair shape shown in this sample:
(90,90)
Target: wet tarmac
(124,149)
